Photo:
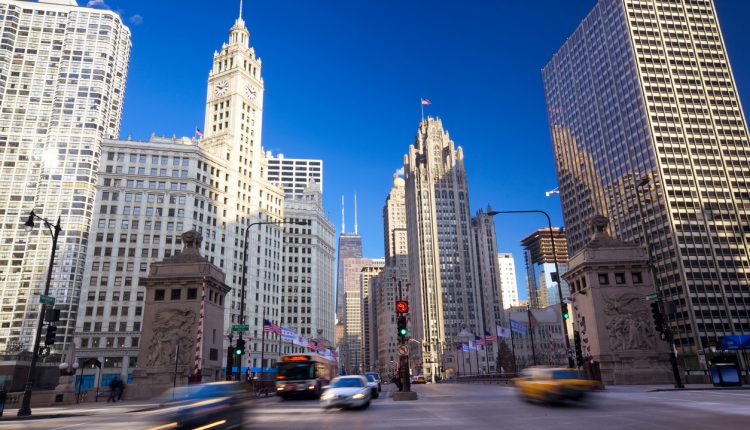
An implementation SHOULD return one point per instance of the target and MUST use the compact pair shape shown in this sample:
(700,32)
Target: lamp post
(54,230)
(557,274)
(652,267)
(244,282)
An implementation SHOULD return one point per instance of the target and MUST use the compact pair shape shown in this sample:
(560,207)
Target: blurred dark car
(215,405)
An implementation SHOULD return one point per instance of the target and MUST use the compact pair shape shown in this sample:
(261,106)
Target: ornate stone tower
(609,281)
(183,321)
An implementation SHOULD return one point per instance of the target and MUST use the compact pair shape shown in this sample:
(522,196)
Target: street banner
(288,334)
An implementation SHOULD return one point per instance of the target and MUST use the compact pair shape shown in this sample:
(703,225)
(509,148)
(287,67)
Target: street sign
(652,297)
(240,327)
(403,350)
(47,300)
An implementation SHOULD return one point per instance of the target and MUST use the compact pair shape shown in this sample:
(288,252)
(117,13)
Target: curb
(43,416)
(701,389)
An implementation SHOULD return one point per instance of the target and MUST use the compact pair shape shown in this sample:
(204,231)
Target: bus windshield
(296,371)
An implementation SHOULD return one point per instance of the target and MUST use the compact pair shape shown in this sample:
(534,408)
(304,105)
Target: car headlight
(358,396)
(326,396)
(311,387)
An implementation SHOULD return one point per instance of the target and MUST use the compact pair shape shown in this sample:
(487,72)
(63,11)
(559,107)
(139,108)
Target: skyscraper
(62,83)
(294,174)
(385,288)
(441,254)
(488,286)
(369,318)
(150,192)
(308,298)
(541,281)
(350,246)
(643,98)
(508,283)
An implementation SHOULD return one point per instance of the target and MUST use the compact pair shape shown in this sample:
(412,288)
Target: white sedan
(346,392)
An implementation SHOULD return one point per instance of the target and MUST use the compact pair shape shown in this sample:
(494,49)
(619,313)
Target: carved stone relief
(628,323)
(171,327)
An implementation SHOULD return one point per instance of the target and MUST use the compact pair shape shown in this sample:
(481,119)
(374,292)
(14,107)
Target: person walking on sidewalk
(113,387)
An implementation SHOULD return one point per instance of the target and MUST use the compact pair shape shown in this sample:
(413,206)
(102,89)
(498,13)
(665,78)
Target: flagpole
(531,331)
(263,344)
(477,357)
(513,352)
(421,105)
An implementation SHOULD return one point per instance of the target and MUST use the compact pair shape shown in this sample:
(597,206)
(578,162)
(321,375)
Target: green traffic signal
(402,332)
(238,351)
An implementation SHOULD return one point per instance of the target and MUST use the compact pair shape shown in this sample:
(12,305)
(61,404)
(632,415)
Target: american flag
(311,344)
(489,338)
(267,326)
(426,102)
(199,132)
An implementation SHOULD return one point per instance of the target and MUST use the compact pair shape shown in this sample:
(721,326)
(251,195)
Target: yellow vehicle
(553,384)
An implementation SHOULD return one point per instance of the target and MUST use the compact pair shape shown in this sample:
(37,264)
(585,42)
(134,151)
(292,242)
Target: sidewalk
(657,388)
(81,409)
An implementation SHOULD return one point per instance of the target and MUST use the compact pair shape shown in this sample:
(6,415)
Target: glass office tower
(648,130)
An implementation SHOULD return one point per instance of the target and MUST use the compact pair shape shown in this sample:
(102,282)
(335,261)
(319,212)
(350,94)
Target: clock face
(251,92)
(221,88)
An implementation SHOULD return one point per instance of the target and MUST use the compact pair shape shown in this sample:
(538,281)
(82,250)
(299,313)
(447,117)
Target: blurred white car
(373,383)
(347,392)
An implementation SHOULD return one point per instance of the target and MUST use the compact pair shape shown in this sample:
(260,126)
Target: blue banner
(518,327)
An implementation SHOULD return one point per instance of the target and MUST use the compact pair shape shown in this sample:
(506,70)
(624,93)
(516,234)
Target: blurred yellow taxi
(553,384)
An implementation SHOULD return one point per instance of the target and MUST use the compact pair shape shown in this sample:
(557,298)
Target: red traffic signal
(402,306)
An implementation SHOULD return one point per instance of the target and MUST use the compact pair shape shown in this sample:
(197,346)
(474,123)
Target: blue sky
(343,81)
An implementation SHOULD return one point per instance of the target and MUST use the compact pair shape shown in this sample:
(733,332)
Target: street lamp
(54,230)
(557,273)
(244,282)
(652,267)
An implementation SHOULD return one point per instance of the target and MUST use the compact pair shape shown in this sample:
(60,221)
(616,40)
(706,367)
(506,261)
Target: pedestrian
(113,390)
(3,397)
(120,388)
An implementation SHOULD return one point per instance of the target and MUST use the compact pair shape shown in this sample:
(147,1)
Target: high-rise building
(150,192)
(442,257)
(62,83)
(541,279)
(350,246)
(369,318)
(648,130)
(308,267)
(294,174)
(508,284)
(491,311)
(352,345)
(385,288)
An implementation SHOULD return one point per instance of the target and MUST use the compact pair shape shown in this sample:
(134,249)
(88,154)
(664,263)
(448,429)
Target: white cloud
(136,19)
(97,3)
(399,172)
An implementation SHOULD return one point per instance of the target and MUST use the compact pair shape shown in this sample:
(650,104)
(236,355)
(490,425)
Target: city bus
(304,375)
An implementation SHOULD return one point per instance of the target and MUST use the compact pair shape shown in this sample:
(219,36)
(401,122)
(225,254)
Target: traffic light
(402,306)
(402,330)
(240,348)
(658,319)
(565,313)
(49,338)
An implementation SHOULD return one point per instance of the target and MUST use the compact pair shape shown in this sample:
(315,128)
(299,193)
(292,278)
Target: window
(112,362)
(619,278)
(159,295)
(176,294)
(637,278)
(603,279)
(192,293)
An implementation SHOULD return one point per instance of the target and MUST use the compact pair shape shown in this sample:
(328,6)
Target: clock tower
(244,196)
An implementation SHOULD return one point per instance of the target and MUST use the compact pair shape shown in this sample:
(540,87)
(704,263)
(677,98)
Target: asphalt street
(450,406)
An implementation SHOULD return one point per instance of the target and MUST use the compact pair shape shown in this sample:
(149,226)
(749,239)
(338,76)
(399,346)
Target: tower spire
(240,9)
(355,213)
(343,219)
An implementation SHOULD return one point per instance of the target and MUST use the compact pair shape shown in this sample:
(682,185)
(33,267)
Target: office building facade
(442,258)
(541,278)
(655,139)
(62,84)
(508,283)
(294,174)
